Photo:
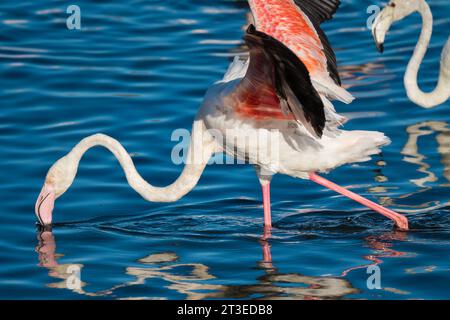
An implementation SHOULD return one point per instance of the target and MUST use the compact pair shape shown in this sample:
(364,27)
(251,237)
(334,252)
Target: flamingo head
(59,178)
(396,10)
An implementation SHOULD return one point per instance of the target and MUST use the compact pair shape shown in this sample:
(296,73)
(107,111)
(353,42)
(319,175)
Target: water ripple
(137,71)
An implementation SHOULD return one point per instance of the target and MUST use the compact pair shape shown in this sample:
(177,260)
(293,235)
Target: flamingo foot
(400,220)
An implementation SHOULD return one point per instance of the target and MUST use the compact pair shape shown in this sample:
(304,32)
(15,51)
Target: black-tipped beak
(45,204)
(44,228)
(380,47)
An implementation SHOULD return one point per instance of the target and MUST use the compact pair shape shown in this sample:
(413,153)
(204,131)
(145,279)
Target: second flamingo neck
(441,92)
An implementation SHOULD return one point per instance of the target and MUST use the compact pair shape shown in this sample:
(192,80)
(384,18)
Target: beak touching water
(45,204)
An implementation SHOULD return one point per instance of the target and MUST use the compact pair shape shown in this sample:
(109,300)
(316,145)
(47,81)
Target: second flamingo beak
(378,37)
(381,26)
(380,46)
(45,204)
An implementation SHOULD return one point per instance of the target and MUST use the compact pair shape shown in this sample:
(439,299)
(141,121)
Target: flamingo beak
(45,204)
(378,37)
(379,45)
(381,26)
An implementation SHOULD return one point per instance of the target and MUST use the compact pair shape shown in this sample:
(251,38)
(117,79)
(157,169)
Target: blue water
(138,70)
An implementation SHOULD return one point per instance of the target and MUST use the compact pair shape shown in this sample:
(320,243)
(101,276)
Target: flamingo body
(273,110)
(299,152)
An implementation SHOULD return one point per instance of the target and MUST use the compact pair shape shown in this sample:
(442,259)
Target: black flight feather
(319,11)
(288,75)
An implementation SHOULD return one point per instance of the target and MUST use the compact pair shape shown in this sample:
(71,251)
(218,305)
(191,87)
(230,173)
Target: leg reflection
(195,281)
(276,285)
(383,245)
(265,244)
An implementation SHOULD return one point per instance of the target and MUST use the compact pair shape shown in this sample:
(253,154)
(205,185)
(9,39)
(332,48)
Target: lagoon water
(137,70)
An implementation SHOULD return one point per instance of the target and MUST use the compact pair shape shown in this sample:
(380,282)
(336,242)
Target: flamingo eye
(392,4)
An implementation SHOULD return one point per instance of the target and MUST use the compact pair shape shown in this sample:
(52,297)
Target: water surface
(138,70)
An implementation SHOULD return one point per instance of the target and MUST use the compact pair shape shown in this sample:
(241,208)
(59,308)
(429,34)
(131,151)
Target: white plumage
(268,110)
(299,152)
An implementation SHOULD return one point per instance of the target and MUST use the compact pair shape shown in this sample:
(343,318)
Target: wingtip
(251,29)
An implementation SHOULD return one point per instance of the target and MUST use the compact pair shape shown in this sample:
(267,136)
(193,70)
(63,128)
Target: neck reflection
(195,281)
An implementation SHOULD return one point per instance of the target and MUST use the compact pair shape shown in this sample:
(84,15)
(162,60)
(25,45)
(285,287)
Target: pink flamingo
(273,110)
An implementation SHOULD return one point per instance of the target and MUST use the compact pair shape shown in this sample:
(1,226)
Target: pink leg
(266,205)
(267,257)
(400,220)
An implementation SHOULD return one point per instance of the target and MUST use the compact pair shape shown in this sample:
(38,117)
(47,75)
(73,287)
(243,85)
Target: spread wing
(319,11)
(277,83)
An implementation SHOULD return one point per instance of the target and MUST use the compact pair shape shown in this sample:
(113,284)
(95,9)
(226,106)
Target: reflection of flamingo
(48,258)
(417,134)
(411,149)
(383,245)
(267,256)
(413,155)
(191,279)
(274,110)
(360,75)
(397,10)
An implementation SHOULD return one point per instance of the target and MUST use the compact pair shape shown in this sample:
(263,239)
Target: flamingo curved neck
(200,150)
(441,93)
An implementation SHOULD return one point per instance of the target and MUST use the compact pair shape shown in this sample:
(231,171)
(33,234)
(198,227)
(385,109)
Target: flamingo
(397,10)
(272,110)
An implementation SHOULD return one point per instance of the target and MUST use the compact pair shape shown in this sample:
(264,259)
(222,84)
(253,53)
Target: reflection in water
(382,244)
(48,259)
(412,154)
(362,75)
(189,278)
